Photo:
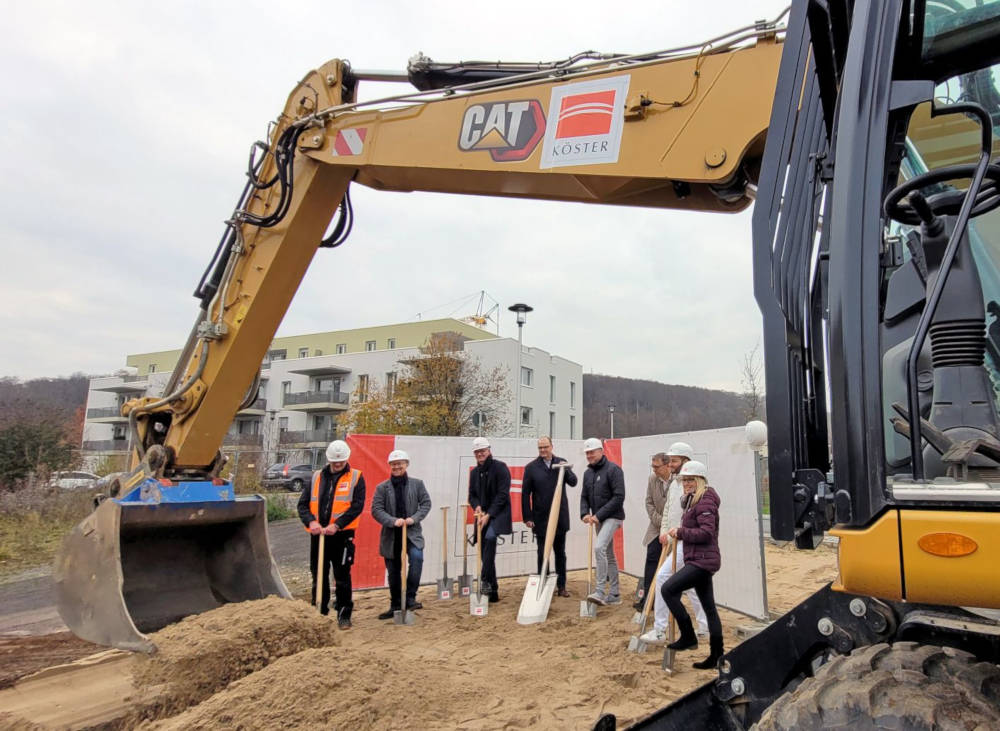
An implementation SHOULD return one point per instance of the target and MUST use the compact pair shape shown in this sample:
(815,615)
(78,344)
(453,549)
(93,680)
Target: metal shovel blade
(445,588)
(479,604)
(636,645)
(403,616)
(536,600)
(667,664)
(587,609)
(465,584)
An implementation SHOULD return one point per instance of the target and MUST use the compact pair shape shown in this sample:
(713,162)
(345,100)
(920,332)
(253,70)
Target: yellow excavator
(864,131)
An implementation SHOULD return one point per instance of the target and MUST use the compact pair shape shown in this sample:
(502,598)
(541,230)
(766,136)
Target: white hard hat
(480,443)
(680,449)
(398,454)
(694,469)
(338,451)
(591,444)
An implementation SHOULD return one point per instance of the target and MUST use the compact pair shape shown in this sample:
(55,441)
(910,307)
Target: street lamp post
(521,310)
(611,410)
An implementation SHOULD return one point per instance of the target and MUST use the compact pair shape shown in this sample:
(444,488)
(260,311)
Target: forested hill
(649,407)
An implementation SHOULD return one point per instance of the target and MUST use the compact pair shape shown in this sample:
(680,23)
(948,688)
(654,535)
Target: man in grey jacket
(401,499)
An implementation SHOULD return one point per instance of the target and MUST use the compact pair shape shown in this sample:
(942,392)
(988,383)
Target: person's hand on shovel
(331,529)
(664,539)
(484,518)
(401,521)
(315,528)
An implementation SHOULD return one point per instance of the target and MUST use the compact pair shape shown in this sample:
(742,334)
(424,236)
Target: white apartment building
(302,399)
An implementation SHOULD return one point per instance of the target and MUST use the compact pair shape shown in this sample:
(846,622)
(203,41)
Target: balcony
(257,408)
(128,384)
(106,415)
(307,438)
(106,446)
(316,401)
(243,440)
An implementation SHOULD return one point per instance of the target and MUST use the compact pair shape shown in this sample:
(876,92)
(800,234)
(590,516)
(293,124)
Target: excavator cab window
(937,142)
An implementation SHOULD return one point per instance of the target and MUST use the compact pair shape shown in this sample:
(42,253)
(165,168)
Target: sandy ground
(448,670)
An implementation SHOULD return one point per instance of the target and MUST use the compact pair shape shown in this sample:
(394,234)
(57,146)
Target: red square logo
(583,115)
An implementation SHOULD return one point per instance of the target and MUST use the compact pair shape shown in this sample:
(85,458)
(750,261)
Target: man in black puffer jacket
(489,496)
(602,503)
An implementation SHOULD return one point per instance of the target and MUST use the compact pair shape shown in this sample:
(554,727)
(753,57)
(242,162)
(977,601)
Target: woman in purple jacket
(699,531)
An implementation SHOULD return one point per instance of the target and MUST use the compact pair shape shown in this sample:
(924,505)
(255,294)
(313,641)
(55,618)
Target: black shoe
(344,619)
(639,605)
(413,606)
(688,638)
(715,642)
(388,614)
(494,597)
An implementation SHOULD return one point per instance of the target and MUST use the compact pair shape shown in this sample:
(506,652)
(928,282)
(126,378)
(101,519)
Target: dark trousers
(653,550)
(692,577)
(338,553)
(394,566)
(489,549)
(558,548)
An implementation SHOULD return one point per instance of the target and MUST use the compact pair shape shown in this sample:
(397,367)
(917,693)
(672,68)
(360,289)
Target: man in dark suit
(538,487)
(489,496)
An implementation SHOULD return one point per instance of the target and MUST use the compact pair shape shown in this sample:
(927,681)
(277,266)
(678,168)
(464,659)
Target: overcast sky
(125,140)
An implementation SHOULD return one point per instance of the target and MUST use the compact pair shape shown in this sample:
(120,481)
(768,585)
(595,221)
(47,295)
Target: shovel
(640,616)
(401,616)
(538,593)
(465,580)
(635,644)
(667,664)
(320,573)
(479,603)
(445,585)
(589,609)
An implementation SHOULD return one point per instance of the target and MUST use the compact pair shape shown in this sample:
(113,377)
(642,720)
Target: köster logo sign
(509,131)
(589,117)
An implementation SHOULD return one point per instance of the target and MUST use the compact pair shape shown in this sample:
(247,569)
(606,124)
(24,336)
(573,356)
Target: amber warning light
(949,545)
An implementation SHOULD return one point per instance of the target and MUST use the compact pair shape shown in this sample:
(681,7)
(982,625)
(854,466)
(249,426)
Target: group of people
(682,540)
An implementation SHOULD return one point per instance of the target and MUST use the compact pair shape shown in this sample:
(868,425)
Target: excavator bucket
(161,553)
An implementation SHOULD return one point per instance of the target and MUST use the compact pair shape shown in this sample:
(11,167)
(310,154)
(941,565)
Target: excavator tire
(906,685)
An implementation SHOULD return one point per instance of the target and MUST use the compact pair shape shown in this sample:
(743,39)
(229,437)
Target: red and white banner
(349,142)
(443,463)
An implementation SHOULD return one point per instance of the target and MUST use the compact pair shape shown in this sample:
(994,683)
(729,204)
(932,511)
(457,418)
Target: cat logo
(510,131)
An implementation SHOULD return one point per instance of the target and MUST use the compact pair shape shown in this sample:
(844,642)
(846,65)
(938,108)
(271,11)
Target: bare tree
(750,380)
(444,391)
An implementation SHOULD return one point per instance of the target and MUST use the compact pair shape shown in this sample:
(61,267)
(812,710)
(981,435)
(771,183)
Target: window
(152,368)
(369,345)
(341,348)
(363,387)
(390,383)
(277,355)
(303,352)
(527,376)
(552,390)
(286,388)
(572,427)
(330,383)
(391,343)
(118,432)
(552,423)
(525,416)
(282,424)
(572,397)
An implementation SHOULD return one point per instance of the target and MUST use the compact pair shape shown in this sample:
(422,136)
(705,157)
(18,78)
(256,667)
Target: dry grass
(33,521)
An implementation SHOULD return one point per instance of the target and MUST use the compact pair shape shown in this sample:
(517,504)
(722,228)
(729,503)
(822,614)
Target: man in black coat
(489,496)
(538,487)
(602,502)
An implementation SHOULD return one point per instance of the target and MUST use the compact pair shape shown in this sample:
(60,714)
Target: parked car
(73,480)
(287,476)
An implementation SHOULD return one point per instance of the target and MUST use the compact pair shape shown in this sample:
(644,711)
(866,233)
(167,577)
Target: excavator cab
(161,552)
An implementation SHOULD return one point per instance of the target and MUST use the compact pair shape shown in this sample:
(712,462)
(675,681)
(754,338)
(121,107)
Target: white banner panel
(443,463)
(739,585)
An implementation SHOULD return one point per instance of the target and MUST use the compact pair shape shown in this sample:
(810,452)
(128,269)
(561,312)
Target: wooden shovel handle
(652,591)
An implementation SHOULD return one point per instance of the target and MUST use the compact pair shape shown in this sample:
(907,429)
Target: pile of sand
(204,653)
